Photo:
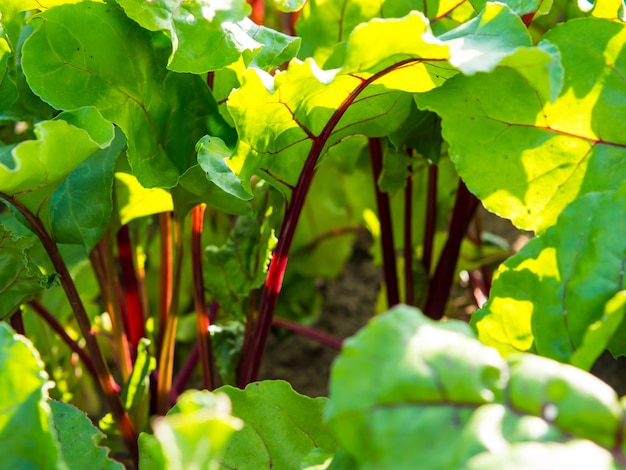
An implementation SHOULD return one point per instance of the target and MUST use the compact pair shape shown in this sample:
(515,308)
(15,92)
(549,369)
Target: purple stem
(409,294)
(431,218)
(319,336)
(464,207)
(386,227)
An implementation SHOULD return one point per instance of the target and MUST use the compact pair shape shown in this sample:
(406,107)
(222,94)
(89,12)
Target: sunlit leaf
(31,173)
(525,154)
(550,295)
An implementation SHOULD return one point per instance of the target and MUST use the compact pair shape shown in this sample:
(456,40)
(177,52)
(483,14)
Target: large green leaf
(325,23)
(79,439)
(27,432)
(81,206)
(30,173)
(407,389)
(208,35)
(162,114)
(193,434)
(548,296)
(281,427)
(527,151)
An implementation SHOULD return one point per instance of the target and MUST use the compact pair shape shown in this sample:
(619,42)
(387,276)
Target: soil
(348,305)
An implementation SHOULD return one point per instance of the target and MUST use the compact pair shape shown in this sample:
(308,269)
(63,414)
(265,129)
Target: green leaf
(205,35)
(525,154)
(239,266)
(598,334)
(439,380)
(552,294)
(20,279)
(32,173)
(281,426)
(194,188)
(212,156)
(27,432)
(193,434)
(324,24)
(472,47)
(79,439)
(280,118)
(136,394)
(81,206)
(162,114)
(278,48)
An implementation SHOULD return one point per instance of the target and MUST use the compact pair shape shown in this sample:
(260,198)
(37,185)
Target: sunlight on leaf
(526,155)
(550,296)
(133,201)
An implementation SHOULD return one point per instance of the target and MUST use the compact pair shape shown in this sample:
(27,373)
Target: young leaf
(212,156)
(546,297)
(193,434)
(281,427)
(525,154)
(20,279)
(27,431)
(136,393)
(205,35)
(233,270)
(79,439)
(162,114)
(531,412)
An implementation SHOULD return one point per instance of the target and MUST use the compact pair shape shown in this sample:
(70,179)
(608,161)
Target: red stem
(464,207)
(135,320)
(319,336)
(386,226)
(17,322)
(202,319)
(252,353)
(51,320)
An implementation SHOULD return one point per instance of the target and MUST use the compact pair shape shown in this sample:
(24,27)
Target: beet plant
(176,175)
